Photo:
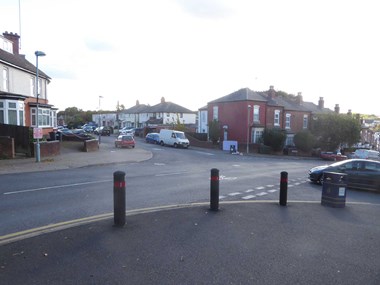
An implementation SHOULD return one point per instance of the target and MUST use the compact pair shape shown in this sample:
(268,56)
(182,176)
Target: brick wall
(91,145)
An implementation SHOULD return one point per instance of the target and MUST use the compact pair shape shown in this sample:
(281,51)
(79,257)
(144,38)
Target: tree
(214,131)
(332,130)
(275,138)
(304,141)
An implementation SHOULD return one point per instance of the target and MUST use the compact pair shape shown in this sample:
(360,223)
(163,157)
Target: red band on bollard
(284,180)
(119,184)
(214,178)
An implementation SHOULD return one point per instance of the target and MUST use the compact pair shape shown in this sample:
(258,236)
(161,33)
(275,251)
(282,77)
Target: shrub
(274,138)
(304,141)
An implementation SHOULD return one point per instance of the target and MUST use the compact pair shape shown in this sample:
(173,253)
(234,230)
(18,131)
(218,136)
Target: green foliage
(304,141)
(179,126)
(331,130)
(275,138)
(214,130)
(75,117)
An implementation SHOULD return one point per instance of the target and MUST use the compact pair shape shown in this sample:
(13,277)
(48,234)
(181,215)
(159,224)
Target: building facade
(18,98)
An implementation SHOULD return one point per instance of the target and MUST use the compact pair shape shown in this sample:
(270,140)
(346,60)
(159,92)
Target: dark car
(361,173)
(104,131)
(153,138)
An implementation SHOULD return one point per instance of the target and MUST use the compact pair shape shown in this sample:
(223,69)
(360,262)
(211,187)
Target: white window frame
(32,86)
(257,134)
(215,113)
(47,117)
(288,121)
(277,117)
(305,121)
(5,79)
(18,107)
(256,113)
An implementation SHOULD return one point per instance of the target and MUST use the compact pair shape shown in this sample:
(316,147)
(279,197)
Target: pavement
(256,242)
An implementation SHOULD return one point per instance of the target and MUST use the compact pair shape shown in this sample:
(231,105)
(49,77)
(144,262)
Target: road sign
(37,133)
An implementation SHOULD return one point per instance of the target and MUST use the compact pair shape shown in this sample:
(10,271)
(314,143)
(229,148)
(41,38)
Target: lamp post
(99,135)
(249,111)
(38,157)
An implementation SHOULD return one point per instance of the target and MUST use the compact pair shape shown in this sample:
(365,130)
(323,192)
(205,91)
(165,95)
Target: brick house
(244,114)
(18,98)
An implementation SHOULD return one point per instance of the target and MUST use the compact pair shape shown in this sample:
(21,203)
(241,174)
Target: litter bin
(52,136)
(334,189)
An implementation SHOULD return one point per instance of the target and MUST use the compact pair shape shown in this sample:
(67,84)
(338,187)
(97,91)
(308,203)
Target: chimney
(271,92)
(137,102)
(321,103)
(337,109)
(15,38)
(349,112)
(162,99)
(299,99)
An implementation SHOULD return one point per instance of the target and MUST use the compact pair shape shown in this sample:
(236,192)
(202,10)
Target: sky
(190,52)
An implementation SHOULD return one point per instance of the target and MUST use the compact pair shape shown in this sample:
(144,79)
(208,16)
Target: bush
(304,141)
(274,138)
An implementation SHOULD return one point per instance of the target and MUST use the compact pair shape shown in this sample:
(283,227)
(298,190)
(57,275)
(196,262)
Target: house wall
(296,121)
(202,122)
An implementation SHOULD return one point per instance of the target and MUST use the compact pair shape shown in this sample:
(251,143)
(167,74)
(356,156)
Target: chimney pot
(321,103)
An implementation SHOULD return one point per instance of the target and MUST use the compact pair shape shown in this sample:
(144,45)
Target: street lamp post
(38,156)
(249,111)
(99,135)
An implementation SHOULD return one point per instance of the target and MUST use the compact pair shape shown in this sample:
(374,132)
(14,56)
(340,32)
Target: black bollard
(283,188)
(214,190)
(119,198)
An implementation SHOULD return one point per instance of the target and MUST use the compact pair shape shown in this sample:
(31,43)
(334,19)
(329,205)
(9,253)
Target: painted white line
(169,174)
(296,184)
(272,190)
(236,165)
(259,188)
(159,164)
(205,153)
(56,187)
(269,186)
(222,197)
(248,197)
(291,185)
(262,194)
(234,194)
(249,190)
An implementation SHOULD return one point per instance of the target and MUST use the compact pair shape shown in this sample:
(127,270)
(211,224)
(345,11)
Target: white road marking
(262,194)
(248,197)
(272,190)
(159,164)
(269,186)
(57,186)
(222,197)
(169,174)
(236,165)
(249,190)
(291,185)
(205,153)
(260,188)
(234,194)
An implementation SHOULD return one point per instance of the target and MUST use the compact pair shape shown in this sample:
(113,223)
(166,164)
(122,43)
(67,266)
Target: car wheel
(320,180)
(162,143)
(175,145)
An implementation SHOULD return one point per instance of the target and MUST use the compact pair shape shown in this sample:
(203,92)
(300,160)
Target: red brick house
(244,114)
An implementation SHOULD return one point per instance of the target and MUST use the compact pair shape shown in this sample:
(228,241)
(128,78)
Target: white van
(173,138)
(366,154)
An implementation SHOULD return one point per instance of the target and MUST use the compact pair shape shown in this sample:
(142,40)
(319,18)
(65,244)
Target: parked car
(332,155)
(173,138)
(104,131)
(125,141)
(366,154)
(126,131)
(361,173)
(138,131)
(153,138)
(88,129)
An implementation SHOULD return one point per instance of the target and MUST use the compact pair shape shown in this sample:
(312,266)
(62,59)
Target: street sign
(37,133)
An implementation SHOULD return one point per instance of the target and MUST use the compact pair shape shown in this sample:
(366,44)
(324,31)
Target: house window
(305,121)
(256,113)
(46,117)
(287,121)
(289,140)
(277,117)
(5,79)
(257,135)
(32,87)
(215,113)
(12,112)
